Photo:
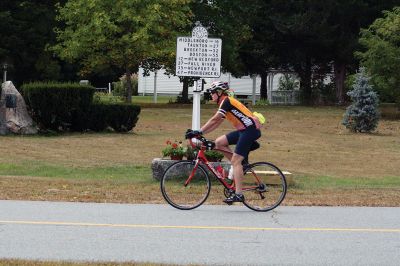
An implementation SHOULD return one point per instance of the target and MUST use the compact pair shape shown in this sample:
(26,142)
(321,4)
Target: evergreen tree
(362,115)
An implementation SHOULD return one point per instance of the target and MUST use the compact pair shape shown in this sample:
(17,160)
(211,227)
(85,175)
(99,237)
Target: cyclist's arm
(212,123)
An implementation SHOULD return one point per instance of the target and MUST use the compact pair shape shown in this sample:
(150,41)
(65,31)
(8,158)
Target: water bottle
(221,170)
(230,174)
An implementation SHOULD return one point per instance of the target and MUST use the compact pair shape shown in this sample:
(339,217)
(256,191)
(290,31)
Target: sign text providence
(198,56)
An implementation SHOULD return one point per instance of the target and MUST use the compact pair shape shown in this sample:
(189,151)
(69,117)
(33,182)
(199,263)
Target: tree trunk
(340,75)
(263,86)
(128,85)
(305,82)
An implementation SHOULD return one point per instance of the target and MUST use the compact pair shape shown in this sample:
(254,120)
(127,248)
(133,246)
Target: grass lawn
(104,97)
(330,165)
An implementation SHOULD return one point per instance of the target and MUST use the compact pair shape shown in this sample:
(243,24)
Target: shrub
(69,106)
(326,92)
(262,102)
(99,117)
(362,115)
(288,82)
(120,88)
(53,105)
(122,117)
(214,156)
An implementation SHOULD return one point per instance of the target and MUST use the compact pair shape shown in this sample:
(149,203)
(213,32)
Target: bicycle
(186,184)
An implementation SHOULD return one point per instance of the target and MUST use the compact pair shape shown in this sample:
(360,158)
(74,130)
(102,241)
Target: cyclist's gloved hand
(193,133)
(210,145)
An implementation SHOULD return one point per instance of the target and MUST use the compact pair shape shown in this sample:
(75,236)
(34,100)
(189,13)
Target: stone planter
(159,165)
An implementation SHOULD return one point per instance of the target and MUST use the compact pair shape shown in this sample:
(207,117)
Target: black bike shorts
(243,139)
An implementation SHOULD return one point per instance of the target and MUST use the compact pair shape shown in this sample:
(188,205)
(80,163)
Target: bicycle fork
(192,173)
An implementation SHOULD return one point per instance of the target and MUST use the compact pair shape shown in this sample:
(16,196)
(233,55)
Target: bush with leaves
(120,88)
(70,107)
(363,114)
(288,82)
(54,105)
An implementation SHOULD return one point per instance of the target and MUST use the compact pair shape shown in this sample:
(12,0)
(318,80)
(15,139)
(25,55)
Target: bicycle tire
(184,197)
(268,194)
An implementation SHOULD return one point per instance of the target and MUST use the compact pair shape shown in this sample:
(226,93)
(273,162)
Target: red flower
(174,145)
(168,142)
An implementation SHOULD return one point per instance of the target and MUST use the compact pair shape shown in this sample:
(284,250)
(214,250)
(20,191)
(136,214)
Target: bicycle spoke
(184,186)
(264,187)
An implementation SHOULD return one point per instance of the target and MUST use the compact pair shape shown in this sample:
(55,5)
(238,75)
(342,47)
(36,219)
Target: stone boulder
(14,117)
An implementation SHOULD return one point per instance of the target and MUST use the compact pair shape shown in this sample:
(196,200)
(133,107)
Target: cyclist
(247,132)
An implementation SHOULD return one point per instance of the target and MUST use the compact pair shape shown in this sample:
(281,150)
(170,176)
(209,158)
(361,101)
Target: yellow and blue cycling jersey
(238,114)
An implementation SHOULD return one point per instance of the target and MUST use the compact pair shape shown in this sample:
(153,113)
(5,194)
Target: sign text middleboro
(198,57)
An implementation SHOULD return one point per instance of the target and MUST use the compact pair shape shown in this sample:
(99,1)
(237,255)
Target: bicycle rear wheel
(264,186)
(181,195)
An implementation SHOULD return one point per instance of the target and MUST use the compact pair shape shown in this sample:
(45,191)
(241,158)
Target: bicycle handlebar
(205,143)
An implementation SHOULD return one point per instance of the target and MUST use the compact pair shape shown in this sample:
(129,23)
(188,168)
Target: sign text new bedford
(198,56)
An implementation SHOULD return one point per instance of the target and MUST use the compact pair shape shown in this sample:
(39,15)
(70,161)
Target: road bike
(186,184)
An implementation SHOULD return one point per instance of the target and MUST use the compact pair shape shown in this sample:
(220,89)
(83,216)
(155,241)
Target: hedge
(53,104)
(69,107)
(119,117)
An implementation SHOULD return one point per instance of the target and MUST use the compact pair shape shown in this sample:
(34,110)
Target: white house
(170,85)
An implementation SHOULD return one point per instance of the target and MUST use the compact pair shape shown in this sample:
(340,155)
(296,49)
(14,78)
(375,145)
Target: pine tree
(363,114)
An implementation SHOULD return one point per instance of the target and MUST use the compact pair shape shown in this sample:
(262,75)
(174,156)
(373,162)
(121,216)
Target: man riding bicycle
(248,131)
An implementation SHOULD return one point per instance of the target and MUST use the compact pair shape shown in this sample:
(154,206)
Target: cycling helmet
(218,86)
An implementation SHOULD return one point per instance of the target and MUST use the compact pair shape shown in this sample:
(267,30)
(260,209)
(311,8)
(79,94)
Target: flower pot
(176,157)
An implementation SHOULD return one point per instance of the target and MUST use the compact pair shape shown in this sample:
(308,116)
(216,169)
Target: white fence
(285,97)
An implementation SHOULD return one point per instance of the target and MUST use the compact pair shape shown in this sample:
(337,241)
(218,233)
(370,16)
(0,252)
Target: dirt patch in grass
(58,189)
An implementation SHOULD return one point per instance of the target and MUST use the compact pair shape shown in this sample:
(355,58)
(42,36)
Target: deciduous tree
(381,56)
(122,33)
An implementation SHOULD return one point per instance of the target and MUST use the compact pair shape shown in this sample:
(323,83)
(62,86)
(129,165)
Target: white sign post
(198,56)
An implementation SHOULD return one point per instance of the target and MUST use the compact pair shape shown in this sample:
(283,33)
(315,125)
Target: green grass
(143,174)
(106,98)
(33,168)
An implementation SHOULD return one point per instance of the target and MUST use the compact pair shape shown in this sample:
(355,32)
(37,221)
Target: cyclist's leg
(222,143)
(246,140)
(237,171)
(253,147)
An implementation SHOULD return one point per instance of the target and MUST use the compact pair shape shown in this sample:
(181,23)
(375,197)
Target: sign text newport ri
(198,57)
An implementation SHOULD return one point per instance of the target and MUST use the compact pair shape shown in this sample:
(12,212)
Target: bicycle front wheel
(264,186)
(185,186)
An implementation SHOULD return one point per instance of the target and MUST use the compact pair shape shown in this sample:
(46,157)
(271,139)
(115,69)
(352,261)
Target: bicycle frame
(201,158)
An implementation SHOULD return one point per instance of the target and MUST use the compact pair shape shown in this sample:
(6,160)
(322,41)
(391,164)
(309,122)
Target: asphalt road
(209,235)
